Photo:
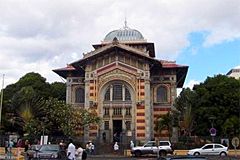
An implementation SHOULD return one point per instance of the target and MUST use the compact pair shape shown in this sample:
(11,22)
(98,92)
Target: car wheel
(137,153)
(223,154)
(162,153)
(196,154)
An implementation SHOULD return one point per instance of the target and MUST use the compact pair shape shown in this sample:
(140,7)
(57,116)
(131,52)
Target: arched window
(79,95)
(162,94)
(117,92)
(127,94)
(107,95)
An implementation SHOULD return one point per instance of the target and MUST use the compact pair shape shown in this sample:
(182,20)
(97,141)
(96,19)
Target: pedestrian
(84,155)
(62,145)
(116,147)
(26,145)
(10,146)
(87,147)
(79,153)
(71,150)
(92,147)
(131,144)
(6,146)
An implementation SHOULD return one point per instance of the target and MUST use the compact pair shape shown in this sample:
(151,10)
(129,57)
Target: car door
(207,149)
(218,149)
(148,148)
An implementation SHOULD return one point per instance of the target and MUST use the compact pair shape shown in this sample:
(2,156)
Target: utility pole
(1,100)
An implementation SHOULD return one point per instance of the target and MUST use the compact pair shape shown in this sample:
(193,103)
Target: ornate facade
(125,84)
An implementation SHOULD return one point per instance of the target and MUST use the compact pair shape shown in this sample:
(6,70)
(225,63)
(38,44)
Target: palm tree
(187,123)
(164,123)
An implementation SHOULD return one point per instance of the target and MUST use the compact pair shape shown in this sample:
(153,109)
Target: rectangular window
(128,125)
(117,111)
(106,111)
(106,125)
(128,111)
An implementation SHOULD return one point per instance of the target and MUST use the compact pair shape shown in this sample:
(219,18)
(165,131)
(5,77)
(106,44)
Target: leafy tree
(58,90)
(217,97)
(67,119)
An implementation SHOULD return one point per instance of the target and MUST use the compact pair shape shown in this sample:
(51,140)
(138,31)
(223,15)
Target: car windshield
(49,148)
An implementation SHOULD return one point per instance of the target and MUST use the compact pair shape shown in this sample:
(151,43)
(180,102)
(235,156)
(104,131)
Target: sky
(42,35)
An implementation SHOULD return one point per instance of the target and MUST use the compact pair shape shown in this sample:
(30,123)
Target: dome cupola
(124,34)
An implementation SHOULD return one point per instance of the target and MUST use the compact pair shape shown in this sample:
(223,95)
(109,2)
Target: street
(153,158)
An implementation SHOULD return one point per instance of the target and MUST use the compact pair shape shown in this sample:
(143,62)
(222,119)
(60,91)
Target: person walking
(79,153)
(116,147)
(131,144)
(71,150)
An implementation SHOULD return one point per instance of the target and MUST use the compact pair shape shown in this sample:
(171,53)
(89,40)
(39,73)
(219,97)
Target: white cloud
(191,84)
(237,67)
(43,35)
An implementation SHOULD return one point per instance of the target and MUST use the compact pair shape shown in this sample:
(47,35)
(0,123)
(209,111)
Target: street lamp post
(212,130)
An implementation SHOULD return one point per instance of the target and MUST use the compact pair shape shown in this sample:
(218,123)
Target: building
(125,84)
(235,73)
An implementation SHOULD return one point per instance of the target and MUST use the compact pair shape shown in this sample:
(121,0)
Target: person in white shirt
(131,144)
(79,153)
(71,150)
(116,147)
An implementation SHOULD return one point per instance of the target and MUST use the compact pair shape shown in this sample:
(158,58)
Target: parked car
(183,158)
(210,149)
(50,151)
(151,147)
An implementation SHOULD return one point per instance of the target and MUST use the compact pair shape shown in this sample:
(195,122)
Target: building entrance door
(117,129)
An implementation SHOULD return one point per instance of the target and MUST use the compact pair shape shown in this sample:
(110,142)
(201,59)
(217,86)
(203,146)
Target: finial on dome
(125,23)
(115,41)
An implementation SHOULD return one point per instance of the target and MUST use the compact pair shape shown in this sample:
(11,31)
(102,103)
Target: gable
(109,49)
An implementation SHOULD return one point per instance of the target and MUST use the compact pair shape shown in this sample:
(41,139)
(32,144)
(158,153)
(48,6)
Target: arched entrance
(117,111)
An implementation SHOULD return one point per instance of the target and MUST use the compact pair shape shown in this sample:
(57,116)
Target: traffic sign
(235,142)
(213,131)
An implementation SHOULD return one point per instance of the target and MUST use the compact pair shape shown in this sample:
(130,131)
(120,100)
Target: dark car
(183,158)
(50,151)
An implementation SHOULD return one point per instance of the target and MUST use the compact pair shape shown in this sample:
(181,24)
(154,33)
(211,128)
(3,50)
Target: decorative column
(86,104)
(148,110)
(68,91)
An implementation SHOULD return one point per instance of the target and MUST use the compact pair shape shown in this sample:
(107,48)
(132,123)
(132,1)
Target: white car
(210,149)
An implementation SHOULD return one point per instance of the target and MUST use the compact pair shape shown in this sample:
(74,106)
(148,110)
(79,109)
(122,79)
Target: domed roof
(124,34)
